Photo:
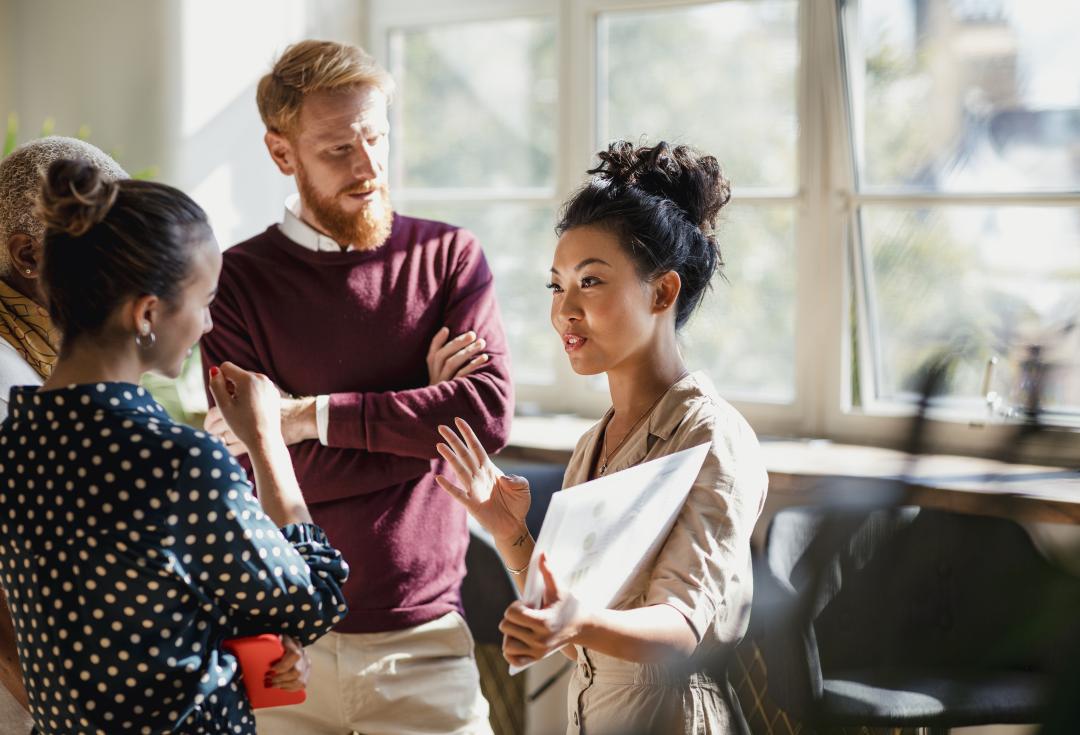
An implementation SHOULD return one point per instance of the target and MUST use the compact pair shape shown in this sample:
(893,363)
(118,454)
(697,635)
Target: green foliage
(184,398)
(11,135)
(48,127)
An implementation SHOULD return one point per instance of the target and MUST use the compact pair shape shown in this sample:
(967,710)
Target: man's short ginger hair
(314,66)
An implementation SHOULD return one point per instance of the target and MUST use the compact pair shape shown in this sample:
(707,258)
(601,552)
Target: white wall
(98,64)
(219,156)
(6,54)
(167,84)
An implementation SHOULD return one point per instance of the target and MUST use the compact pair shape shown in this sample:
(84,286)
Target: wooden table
(805,472)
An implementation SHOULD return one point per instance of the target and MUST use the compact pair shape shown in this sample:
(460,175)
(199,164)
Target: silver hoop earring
(145,339)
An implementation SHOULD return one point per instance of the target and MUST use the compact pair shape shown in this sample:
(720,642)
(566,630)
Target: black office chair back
(913,587)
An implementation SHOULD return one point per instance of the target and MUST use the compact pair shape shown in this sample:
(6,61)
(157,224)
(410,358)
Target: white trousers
(418,681)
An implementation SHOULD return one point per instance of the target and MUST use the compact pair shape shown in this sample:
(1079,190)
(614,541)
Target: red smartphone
(256,655)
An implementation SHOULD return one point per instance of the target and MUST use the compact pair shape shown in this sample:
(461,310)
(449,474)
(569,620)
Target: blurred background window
(965,120)
(906,173)
(474,144)
(722,77)
(478,144)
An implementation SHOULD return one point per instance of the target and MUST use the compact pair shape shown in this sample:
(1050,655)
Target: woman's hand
(529,634)
(249,404)
(298,423)
(498,502)
(291,671)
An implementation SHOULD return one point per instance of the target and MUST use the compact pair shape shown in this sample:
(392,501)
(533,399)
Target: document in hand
(599,534)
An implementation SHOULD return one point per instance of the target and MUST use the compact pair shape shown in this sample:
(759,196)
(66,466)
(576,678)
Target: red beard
(367,229)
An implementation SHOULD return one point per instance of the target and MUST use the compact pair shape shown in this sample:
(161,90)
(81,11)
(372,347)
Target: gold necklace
(627,435)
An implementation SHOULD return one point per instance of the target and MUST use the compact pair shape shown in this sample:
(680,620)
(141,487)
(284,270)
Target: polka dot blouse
(130,548)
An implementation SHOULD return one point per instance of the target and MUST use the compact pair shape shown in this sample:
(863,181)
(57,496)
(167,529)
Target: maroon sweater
(357,325)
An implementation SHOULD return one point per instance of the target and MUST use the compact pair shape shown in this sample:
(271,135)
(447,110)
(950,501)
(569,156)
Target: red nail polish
(214,371)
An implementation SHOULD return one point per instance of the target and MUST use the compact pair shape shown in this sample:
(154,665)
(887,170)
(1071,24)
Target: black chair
(909,617)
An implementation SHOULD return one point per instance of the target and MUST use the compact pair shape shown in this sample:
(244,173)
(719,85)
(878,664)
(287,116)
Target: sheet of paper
(598,535)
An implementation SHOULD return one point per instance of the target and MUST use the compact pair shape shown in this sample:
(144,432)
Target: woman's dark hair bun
(661,202)
(691,180)
(106,240)
(75,197)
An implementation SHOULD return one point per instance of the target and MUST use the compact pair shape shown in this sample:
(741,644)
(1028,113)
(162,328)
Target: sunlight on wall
(225,48)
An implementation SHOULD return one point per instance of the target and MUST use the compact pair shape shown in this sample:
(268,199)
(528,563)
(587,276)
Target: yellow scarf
(28,328)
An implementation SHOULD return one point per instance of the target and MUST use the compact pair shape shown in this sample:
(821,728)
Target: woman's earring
(29,272)
(145,338)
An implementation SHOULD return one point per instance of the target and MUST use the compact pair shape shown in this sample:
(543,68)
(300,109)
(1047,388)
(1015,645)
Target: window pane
(979,282)
(968,96)
(476,105)
(518,241)
(719,76)
(744,334)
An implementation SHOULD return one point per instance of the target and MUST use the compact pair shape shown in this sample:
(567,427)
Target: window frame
(880,420)
(829,258)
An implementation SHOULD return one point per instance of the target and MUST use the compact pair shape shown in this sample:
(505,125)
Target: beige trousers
(417,681)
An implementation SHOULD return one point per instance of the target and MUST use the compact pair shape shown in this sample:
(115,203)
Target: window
(965,120)
(905,184)
(497,147)
(474,144)
(722,76)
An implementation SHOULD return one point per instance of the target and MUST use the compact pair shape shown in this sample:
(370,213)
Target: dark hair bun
(75,197)
(694,182)
(661,202)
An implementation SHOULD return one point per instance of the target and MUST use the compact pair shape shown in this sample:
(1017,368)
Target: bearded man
(385,326)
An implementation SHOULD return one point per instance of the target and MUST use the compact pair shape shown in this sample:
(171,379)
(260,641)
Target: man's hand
(291,671)
(298,421)
(297,424)
(215,424)
(454,358)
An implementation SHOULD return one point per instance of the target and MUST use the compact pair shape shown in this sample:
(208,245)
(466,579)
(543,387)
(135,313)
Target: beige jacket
(703,570)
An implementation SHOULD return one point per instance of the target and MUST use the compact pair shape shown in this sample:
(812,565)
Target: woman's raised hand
(249,403)
(498,502)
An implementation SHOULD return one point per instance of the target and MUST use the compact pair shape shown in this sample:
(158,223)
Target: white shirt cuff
(322,417)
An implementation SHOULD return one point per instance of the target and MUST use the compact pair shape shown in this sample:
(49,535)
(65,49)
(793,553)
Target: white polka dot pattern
(130,547)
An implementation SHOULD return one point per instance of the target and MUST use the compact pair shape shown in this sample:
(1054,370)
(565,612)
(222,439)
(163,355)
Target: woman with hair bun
(635,255)
(131,546)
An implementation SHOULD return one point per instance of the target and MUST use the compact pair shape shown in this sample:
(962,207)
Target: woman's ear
(144,315)
(25,254)
(666,290)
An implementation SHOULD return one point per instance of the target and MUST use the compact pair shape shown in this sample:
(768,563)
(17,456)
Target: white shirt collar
(300,232)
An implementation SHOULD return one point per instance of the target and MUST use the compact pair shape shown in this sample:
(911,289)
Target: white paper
(597,535)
